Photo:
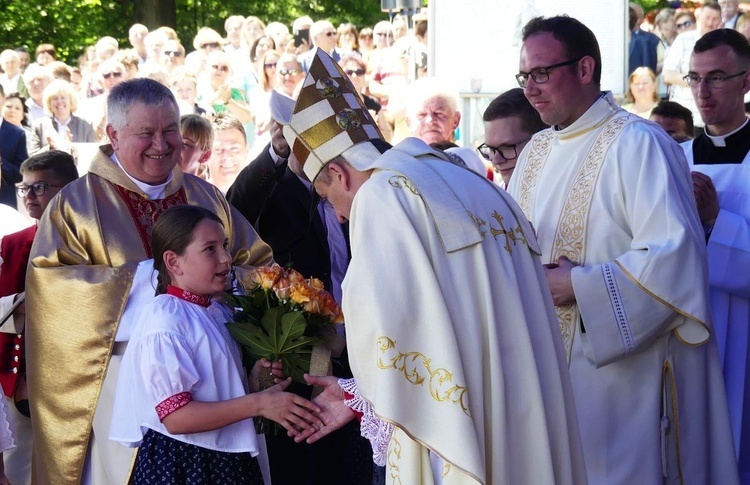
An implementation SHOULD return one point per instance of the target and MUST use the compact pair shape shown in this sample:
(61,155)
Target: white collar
(721,140)
(153,192)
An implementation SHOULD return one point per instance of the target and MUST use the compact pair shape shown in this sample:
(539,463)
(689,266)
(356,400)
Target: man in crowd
(432,111)
(719,78)
(450,328)
(43,177)
(323,36)
(12,154)
(611,200)
(509,122)
(676,63)
(730,12)
(11,79)
(83,275)
(675,119)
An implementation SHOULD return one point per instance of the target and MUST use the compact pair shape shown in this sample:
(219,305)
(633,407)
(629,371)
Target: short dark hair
(728,37)
(173,231)
(62,164)
(579,40)
(513,103)
(670,109)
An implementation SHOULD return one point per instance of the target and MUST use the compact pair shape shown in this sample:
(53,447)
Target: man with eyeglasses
(323,36)
(719,77)
(44,175)
(509,123)
(676,63)
(610,197)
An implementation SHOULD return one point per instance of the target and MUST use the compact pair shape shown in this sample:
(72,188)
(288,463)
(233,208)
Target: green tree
(72,25)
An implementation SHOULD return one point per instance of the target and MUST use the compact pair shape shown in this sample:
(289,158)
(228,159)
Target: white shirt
(177,347)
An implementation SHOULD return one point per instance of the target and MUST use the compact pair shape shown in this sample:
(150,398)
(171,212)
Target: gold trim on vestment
(668,305)
(668,373)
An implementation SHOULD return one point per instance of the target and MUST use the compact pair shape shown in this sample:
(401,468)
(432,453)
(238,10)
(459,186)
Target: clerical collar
(188,296)
(721,140)
(153,192)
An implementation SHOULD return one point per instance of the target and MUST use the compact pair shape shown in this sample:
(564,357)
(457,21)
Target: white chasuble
(451,333)
(613,193)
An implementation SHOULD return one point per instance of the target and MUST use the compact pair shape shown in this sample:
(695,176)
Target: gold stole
(572,226)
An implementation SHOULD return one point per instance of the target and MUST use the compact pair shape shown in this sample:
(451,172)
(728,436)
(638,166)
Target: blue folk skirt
(165,460)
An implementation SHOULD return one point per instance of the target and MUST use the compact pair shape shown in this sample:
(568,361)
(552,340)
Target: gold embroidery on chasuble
(394,456)
(572,228)
(413,366)
(401,182)
(144,212)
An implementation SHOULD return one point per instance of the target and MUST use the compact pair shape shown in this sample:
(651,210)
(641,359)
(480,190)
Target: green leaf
(293,325)
(254,340)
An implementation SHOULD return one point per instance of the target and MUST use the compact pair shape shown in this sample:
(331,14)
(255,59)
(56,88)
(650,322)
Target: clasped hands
(304,420)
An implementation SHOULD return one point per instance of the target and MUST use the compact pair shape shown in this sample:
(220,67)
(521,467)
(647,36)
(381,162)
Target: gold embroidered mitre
(328,120)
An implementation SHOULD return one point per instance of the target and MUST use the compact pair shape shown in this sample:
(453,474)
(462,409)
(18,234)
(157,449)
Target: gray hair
(140,90)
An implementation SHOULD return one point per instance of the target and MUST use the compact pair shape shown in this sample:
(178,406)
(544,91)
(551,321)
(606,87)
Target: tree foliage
(72,25)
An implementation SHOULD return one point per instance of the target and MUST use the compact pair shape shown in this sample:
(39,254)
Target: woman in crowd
(214,90)
(347,38)
(62,127)
(641,96)
(16,113)
(260,97)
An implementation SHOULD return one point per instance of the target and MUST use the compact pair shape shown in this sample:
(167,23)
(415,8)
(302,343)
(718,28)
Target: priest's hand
(560,281)
(333,411)
(705,198)
(278,142)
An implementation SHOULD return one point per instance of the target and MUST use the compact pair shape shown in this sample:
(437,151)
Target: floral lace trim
(378,432)
(188,296)
(172,404)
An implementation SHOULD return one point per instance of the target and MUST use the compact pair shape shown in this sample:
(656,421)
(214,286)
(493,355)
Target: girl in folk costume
(181,394)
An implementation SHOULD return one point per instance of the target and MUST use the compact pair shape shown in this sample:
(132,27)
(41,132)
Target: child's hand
(294,413)
(273,373)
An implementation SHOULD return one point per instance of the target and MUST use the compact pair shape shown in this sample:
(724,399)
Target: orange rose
(317,284)
(265,276)
(300,292)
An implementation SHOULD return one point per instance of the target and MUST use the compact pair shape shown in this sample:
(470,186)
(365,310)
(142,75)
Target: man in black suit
(12,155)
(306,234)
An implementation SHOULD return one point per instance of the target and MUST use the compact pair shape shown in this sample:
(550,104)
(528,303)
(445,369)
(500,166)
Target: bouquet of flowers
(284,316)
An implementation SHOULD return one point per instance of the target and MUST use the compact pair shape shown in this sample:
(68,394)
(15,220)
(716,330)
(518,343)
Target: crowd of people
(566,303)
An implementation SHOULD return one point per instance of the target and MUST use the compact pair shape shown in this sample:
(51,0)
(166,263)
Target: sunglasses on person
(288,72)
(212,45)
(173,53)
(684,25)
(270,65)
(354,72)
(115,75)
(221,68)
(329,34)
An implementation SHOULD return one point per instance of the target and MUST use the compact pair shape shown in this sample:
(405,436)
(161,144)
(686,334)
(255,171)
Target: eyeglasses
(540,75)
(270,65)
(329,34)
(357,72)
(221,68)
(46,51)
(684,25)
(108,75)
(212,45)
(173,53)
(288,72)
(507,152)
(38,188)
(384,34)
(713,81)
